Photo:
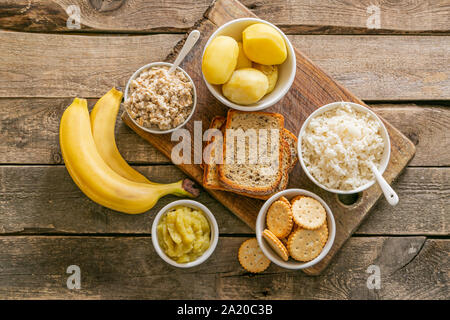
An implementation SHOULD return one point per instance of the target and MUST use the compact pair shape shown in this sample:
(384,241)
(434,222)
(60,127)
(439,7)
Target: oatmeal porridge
(158,100)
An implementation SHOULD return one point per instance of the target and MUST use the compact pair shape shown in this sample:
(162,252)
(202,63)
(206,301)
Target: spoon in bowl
(188,44)
(389,193)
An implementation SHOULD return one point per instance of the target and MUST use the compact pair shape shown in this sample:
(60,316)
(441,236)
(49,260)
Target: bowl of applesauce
(185,233)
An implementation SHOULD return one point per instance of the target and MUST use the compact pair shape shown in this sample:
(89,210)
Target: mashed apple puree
(184,234)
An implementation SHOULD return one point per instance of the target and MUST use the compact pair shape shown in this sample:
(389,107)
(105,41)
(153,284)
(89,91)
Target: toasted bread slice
(243,169)
(210,174)
(292,141)
(285,173)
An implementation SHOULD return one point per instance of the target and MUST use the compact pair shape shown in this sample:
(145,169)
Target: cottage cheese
(338,146)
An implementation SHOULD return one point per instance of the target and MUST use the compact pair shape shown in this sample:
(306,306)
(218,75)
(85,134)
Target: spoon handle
(389,193)
(188,44)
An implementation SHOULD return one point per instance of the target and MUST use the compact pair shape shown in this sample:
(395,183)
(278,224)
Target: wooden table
(401,69)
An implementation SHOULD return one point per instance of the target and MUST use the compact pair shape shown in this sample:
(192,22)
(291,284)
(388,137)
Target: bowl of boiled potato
(248,64)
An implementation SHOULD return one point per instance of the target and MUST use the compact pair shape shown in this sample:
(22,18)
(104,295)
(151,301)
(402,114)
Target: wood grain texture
(135,16)
(350,17)
(378,68)
(427,127)
(50,65)
(311,89)
(29,132)
(45,200)
(299,16)
(129,268)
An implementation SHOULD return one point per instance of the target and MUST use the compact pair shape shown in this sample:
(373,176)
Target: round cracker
(276,244)
(308,213)
(323,232)
(295,199)
(305,245)
(251,256)
(279,219)
(285,200)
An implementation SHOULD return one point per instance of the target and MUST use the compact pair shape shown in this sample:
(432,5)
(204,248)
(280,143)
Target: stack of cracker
(296,229)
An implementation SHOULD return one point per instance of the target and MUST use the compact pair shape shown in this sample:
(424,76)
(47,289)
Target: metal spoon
(389,193)
(188,44)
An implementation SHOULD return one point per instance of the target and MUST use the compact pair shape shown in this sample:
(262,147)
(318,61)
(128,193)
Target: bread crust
(255,190)
(217,122)
(290,137)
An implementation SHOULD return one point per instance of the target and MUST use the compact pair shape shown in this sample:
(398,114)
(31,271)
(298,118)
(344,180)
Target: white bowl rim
(387,146)
(213,227)
(155,64)
(270,254)
(272,101)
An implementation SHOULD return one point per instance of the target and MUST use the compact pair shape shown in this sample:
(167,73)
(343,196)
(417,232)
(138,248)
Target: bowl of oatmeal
(159,102)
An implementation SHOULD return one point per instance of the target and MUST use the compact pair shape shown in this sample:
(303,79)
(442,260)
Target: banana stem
(182,188)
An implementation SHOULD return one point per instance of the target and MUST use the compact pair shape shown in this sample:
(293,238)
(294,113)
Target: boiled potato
(271,73)
(264,44)
(220,59)
(243,61)
(246,86)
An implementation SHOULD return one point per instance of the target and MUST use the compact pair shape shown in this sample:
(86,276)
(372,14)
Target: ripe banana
(103,121)
(96,179)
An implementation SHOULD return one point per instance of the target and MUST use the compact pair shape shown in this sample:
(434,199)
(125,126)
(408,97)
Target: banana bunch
(93,161)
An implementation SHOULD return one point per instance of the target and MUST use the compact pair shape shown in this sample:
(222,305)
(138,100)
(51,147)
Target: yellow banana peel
(96,178)
(103,120)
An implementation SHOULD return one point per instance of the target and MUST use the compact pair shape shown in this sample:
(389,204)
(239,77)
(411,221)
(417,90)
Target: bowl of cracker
(295,229)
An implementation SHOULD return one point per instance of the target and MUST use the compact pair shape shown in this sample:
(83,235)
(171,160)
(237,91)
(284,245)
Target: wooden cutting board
(311,89)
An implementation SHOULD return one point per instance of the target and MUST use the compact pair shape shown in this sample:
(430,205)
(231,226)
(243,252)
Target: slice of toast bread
(292,141)
(285,174)
(210,173)
(243,169)
(211,176)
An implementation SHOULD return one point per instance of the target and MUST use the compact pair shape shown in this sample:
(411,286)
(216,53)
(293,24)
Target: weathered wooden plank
(129,268)
(377,15)
(29,132)
(376,67)
(380,68)
(424,197)
(102,16)
(44,199)
(354,17)
(299,16)
(50,65)
(426,126)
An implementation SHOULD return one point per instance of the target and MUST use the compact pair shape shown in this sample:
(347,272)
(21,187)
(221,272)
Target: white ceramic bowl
(384,134)
(286,70)
(213,227)
(272,255)
(159,64)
